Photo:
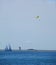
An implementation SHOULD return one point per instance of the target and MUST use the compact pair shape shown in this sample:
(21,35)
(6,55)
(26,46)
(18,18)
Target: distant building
(19,48)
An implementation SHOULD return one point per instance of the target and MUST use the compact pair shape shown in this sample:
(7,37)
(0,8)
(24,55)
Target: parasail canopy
(37,17)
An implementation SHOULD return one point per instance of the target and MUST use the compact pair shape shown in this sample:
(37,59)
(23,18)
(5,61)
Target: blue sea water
(27,58)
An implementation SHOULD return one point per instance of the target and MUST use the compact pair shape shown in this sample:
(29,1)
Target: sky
(19,27)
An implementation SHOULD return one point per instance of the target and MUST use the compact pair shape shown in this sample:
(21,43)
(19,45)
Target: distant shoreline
(30,50)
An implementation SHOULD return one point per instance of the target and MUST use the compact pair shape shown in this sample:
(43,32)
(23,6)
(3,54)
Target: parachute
(38,17)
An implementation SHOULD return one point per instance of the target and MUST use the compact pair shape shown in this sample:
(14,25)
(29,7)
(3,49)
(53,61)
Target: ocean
(27,57)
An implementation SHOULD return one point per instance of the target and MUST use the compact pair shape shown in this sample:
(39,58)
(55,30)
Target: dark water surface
(27,58)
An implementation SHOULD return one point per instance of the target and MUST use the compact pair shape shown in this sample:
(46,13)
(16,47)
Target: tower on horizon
(19,48)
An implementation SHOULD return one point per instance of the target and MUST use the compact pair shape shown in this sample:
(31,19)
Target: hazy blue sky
(19,27)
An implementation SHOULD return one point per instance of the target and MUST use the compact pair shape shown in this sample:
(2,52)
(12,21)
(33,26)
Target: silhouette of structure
(19,48)
(8,48)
